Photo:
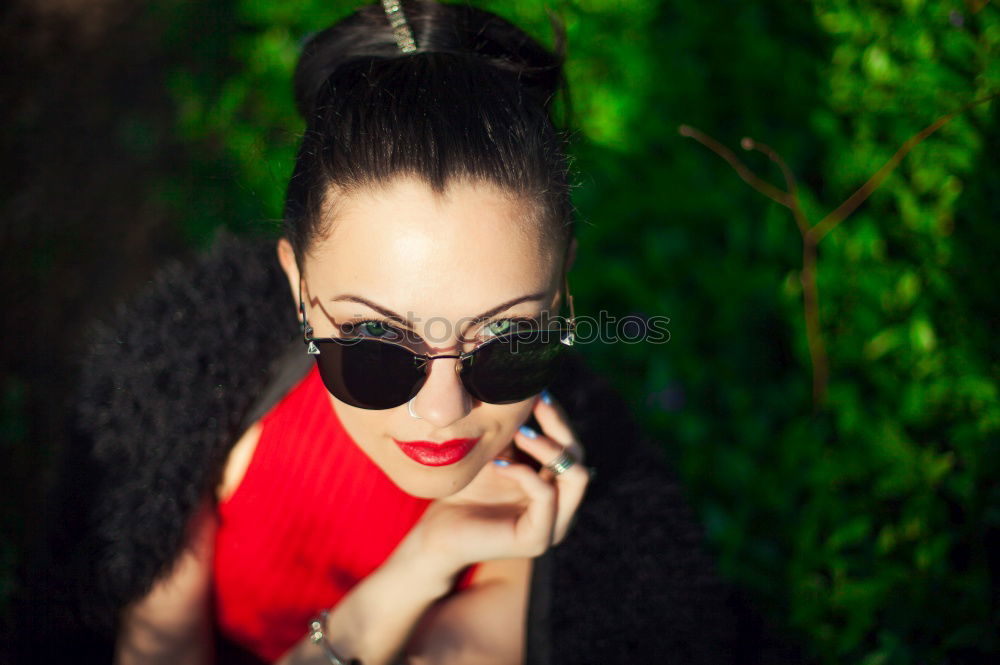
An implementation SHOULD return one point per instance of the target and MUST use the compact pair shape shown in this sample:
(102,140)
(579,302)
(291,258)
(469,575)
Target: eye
(501,327)
(377,328)
(374,328)
(507,326)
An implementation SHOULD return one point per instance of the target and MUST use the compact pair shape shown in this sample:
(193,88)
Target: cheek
(363,425)
(509,417)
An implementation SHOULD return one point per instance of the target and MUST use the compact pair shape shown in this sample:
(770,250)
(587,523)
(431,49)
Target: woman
(365,486)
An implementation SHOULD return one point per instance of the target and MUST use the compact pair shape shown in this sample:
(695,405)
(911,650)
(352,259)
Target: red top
(311,517)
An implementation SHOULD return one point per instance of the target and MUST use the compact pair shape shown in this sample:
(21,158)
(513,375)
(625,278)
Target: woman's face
(440,263)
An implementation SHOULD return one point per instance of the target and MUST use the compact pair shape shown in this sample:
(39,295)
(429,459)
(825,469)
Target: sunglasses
(374,373)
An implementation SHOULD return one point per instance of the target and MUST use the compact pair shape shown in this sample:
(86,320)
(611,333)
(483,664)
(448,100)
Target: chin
(432,482)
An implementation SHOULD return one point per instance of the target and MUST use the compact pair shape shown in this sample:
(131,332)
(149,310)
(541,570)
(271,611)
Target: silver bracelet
(316,636)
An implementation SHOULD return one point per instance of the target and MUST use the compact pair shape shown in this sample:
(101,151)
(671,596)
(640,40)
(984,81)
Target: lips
(429,453)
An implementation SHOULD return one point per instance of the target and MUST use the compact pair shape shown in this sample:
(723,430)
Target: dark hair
(474,101)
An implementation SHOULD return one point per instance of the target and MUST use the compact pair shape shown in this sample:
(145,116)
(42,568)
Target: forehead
(449,254)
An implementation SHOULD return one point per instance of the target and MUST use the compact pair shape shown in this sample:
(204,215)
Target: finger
(555,423)
(546,450)
(534,528)
(568,502)
(572,483)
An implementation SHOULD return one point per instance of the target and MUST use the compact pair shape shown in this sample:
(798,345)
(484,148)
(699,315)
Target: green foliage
(852,523)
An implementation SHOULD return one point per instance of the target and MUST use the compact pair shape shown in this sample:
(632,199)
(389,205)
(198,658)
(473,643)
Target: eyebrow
(393,316)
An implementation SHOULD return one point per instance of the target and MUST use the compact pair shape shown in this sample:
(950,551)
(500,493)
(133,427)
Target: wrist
(416,564)
(371,622)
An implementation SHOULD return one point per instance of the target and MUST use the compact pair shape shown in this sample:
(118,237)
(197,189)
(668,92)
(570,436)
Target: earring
(409,407)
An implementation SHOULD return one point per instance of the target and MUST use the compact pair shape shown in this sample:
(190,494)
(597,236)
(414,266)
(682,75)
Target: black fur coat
(171,381)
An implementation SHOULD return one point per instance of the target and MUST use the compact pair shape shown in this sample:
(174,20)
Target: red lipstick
(429,453)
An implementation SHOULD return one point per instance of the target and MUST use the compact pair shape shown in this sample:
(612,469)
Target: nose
(442,399)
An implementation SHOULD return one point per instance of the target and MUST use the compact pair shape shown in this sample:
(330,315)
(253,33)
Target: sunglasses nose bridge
(438,401)
(424,362)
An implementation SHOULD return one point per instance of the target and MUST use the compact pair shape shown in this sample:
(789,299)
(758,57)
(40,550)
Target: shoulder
(634,579)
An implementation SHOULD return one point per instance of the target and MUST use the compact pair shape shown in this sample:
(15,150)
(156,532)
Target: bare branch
(811,235)
(790,182)
(814,332)
(748,176)
(827,224)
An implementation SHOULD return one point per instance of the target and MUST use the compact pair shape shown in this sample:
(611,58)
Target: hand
(507,511)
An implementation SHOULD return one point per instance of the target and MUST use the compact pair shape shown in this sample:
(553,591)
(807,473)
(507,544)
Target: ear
(570,254)
(286,257)
(568,261)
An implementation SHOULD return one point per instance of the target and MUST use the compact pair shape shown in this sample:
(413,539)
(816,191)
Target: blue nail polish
(546,396)
(528,432)
(501,462)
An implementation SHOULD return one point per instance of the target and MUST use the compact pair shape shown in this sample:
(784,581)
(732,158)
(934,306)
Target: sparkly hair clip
(400,28)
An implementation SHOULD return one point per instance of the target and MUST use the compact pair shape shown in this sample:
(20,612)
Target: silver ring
(559,465)
(409,407)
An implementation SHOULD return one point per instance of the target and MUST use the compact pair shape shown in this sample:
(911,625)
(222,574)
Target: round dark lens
(513,367)
(369,374)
